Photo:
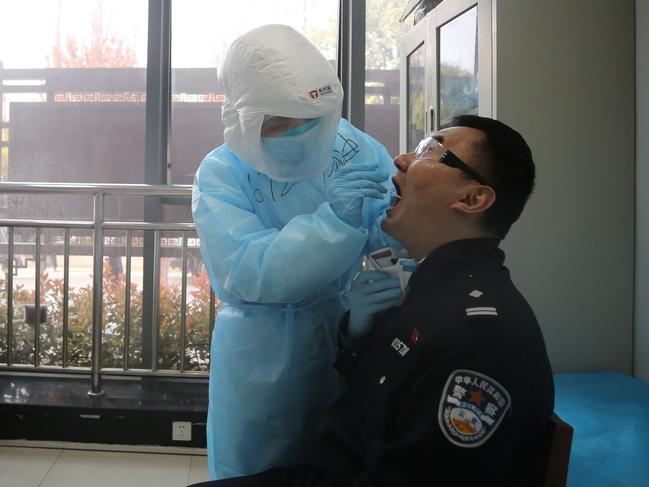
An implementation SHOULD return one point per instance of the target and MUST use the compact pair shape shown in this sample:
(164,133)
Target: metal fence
(102,244)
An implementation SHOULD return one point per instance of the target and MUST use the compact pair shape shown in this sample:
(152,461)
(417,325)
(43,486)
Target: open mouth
(395,197)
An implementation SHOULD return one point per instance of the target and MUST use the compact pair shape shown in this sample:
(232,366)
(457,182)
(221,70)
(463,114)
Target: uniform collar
(452,255)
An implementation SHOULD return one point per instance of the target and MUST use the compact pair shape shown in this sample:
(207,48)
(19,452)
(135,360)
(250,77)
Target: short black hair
(507,165)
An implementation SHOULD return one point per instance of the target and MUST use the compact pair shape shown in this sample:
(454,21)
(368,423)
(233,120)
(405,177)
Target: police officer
(453,386)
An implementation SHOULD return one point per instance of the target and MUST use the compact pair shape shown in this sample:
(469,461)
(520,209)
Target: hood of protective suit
(274,70)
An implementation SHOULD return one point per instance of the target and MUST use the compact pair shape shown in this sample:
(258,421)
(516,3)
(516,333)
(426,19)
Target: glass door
(415,90)
(462,84)
(446,68)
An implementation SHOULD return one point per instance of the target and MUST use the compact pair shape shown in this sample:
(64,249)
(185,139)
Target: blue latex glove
(371,292)
(349,185)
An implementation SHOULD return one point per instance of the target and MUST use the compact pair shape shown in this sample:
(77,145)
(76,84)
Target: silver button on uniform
(382,379)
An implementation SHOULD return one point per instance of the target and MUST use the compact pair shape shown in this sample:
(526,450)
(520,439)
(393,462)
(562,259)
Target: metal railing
(99,226)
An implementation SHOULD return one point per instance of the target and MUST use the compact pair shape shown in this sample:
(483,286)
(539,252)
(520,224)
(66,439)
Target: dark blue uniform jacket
(452,388)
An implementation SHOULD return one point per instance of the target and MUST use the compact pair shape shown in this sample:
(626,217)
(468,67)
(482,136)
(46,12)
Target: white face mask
(297,156)
(291,148)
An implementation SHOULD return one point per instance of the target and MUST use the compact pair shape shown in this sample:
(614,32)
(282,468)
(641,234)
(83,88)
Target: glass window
(458,70)
(202,31)
(72,109)
(72,90)
(383,33)
(72,97)
(416,97)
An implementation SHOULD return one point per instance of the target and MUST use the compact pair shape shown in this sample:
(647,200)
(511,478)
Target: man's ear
(476,199)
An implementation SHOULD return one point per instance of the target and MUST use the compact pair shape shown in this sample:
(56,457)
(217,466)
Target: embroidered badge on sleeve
(471,408)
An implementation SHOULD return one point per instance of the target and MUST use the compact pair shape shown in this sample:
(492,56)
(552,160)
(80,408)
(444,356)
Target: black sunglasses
(431,148)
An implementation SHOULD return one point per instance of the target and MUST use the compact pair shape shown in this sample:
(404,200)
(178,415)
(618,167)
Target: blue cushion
(610,415)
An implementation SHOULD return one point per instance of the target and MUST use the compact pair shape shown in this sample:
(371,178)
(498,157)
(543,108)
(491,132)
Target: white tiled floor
(49,467)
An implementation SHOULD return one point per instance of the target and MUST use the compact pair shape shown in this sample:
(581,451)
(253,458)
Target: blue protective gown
(279,259)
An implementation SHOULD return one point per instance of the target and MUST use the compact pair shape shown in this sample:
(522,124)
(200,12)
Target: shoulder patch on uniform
(482,311)
(471,408)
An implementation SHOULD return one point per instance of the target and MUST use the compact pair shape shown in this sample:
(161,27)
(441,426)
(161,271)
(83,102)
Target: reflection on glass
(458,70)
(416,97)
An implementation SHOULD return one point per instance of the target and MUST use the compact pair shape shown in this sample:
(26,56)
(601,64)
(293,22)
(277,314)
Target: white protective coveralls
(277,255)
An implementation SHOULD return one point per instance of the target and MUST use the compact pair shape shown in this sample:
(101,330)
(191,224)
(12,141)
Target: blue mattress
(610,415)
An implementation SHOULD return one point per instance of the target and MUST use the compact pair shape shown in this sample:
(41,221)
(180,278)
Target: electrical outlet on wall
(181,431)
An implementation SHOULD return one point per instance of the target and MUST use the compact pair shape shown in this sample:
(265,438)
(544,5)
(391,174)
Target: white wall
(641,342)
(565,80)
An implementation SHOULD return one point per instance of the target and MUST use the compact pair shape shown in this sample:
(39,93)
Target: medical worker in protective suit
(284,211)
